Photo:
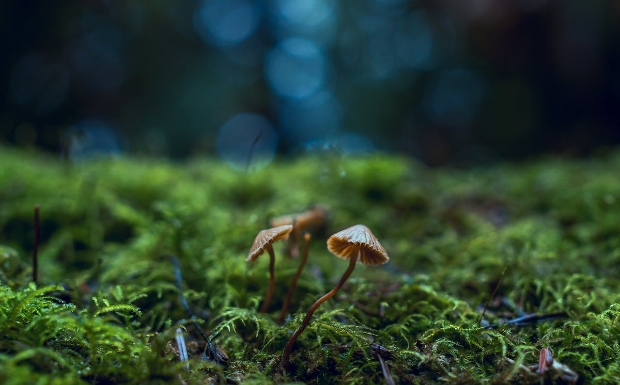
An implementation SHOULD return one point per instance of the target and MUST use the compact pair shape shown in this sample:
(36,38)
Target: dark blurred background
(450,82)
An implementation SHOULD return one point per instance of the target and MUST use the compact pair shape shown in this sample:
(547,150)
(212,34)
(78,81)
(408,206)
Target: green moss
(107,308)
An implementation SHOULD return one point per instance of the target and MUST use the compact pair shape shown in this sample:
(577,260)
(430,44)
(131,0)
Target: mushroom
(291,289)
(314,218)
(357,243)
(263,242)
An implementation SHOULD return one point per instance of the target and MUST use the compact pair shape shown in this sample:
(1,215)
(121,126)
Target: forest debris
(376,350)
(183,357)
(547,364)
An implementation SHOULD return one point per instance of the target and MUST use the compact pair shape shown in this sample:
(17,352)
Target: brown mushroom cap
(266,238)
(283,220)
(314,217)
(358,239)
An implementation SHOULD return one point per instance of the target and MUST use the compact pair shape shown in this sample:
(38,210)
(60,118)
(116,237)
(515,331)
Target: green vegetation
(107,308)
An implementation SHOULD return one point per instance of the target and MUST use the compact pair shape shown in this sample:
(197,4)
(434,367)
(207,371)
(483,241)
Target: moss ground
(106,307)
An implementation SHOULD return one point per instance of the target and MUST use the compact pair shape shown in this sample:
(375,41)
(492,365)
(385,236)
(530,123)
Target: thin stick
(291,289)
(486,305)
(178,277)
(35,250)
(533,318)
(304,324)
(215,354)
(530,319)
(247,164)
(183,357)
(389,380)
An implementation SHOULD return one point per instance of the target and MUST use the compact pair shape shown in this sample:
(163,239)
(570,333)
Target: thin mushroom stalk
(291,289)
(272,280)
(263,242)
(356,243)
(304,324)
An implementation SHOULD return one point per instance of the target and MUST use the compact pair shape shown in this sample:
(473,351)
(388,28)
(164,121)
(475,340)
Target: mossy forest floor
(106,307)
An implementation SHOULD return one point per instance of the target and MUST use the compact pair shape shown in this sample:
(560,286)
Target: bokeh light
(226,22)
(295,68)
(413,40)
(315,20)
(313,118)
(427,79)
(247,142)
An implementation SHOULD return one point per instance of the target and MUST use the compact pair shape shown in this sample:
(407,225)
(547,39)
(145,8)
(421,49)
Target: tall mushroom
(263,242)
(357,243)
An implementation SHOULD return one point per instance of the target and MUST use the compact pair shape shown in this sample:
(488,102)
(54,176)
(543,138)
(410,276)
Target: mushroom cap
(283,220)
(314,217)
(265,238)
(358,239)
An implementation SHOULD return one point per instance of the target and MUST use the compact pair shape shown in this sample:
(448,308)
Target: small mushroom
(263,242)
(357,243)
(314,218)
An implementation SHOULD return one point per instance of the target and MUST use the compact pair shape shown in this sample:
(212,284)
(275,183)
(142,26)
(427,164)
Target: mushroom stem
(291,341)
(272,279)
(291,289)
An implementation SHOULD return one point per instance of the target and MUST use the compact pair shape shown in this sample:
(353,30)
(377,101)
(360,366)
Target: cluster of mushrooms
(356,243)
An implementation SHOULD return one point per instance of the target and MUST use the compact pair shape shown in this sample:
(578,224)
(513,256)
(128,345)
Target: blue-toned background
(445,81)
